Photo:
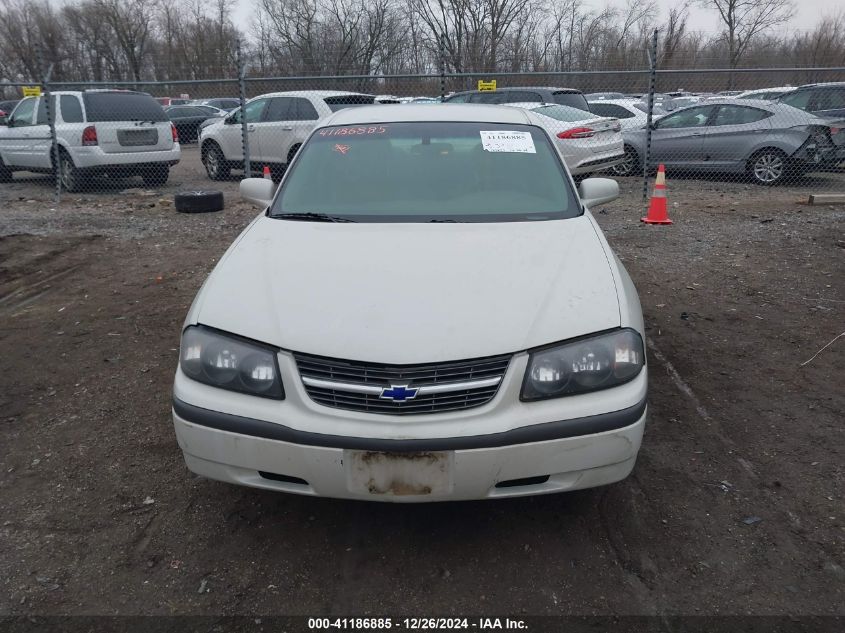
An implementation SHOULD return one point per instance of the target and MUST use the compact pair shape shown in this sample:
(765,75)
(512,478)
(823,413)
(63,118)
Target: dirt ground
(735,506)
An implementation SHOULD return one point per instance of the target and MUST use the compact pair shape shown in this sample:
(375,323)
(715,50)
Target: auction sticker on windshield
(507,141)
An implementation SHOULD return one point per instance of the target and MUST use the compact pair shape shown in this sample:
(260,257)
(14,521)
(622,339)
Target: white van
(117,133)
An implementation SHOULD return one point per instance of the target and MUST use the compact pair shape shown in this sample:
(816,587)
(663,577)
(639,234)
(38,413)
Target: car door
(734,133)
(678,138)
(17,138)
(276,129)
(41,145)
(230,132)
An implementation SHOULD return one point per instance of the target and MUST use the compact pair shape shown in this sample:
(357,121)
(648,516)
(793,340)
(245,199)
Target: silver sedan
(771,142)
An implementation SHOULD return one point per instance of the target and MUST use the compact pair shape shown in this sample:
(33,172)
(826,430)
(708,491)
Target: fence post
(51,122)
(442,41)
(244,127)
(652,62)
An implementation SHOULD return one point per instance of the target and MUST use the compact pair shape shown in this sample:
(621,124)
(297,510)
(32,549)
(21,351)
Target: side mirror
(595,191)
(260,191)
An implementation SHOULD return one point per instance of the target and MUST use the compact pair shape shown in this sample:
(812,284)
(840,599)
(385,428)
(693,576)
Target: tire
(156,176)
(5,172)
(628,166)
(199,201)
(69,174)
(215,162)
(768,167)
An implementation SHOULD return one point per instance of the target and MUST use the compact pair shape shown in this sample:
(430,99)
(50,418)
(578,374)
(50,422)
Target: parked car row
(120,133)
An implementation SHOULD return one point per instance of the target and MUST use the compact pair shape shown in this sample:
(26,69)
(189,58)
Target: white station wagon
(426,310)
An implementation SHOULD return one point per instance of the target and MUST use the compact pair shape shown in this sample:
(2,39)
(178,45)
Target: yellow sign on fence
(31,91)
(487,86)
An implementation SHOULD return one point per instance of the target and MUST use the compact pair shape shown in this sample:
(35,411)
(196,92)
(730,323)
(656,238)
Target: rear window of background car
(122,106)
(611,109)
(507,96)
(348,101)
(574,99)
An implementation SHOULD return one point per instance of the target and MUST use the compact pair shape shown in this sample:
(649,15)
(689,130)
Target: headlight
(586,365)
(230,363)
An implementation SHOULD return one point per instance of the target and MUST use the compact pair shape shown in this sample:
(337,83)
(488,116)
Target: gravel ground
(735,506)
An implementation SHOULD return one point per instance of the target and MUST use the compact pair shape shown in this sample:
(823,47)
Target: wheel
(768,167)
(629,163)
(156,176)
(199,201)
(215,163)
(5,172)
(69,174)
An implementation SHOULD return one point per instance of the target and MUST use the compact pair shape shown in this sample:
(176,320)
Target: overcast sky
(807,14)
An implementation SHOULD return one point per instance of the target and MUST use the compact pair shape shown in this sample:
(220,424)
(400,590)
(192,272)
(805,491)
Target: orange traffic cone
(657,211)
(267,174)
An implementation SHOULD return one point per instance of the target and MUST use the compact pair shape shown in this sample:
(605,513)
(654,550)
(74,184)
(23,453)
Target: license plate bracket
(137,138)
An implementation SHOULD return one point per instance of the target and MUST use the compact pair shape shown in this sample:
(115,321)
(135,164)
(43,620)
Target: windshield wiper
(309,216)
(440,220)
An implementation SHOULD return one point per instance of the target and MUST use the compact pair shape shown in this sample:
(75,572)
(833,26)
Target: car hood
(411,293)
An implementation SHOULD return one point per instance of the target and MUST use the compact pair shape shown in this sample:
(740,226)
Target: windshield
(423,172)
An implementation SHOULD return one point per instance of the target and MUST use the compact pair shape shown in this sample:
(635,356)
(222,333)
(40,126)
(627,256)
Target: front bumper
(535,468)
(505,448)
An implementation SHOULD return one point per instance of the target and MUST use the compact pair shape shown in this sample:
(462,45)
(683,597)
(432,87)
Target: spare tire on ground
(199,201)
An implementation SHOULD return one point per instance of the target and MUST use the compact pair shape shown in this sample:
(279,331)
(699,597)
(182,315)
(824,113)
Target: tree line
(168,40)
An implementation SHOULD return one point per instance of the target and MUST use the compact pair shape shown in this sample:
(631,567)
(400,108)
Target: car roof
(508,88)
(835,84)
(772,89)
(619,101)
(756,103)
(312,93)
(409,112)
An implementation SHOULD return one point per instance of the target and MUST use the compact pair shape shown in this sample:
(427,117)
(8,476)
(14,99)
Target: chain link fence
(780,127)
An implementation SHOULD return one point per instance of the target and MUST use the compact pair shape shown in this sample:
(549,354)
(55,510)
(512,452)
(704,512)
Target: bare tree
(674,32)
(744,20)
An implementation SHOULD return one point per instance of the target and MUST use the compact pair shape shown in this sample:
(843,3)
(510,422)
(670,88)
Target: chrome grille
(373,377)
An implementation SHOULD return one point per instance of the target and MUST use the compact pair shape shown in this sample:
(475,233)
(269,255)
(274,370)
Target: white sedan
(588,143)
(425,310)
